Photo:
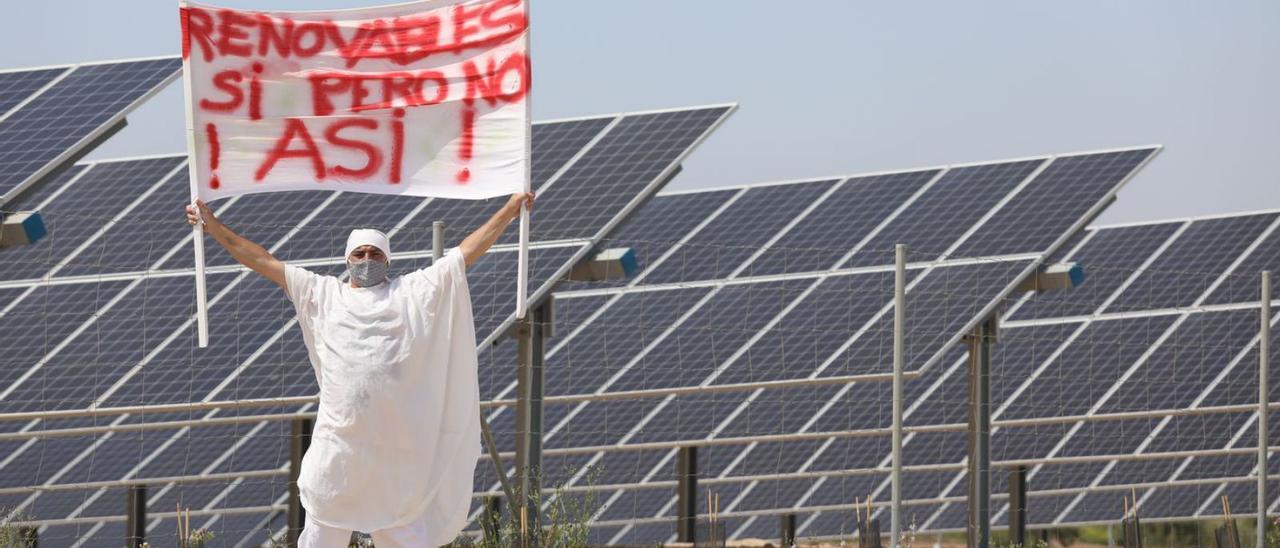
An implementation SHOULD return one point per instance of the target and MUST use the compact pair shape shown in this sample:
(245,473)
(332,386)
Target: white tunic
(397,435)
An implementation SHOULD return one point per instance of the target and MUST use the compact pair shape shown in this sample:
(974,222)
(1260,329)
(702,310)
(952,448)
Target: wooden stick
(717,512)
(1135,501)
(524,525)
(857,513)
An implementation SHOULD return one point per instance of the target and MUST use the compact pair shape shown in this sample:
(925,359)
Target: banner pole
(522,256)
(197,237)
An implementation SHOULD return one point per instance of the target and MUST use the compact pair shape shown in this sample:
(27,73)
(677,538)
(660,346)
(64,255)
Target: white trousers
(315,535)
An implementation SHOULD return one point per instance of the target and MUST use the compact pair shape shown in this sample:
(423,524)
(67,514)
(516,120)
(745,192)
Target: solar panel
(840,222)
(49,121)
(19,85)
(736,234)
(1166,320)
(105,297)
(702,320)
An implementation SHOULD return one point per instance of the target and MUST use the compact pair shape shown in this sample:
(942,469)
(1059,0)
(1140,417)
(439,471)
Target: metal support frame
(687,495)
(899,361)
(787,530)
(532,332)
(135,531)
(1264,404)
(1018,505)
(299,441)
(979,463)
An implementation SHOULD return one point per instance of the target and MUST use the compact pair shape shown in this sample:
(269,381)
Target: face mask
(368,273)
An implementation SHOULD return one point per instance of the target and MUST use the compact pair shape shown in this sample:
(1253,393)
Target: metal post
(979,465)
(788,532)
(135,516)
(532,332)
(437,240)
(687,495)
(899,357)
(1264,400)
(1018,505)
(299,440)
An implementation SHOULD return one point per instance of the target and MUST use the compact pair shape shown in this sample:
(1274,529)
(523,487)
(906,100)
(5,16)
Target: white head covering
(368,236)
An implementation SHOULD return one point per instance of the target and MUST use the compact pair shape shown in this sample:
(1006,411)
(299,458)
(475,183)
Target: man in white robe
(397,434)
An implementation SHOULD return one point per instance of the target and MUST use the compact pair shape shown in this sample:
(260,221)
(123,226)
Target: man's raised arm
(246,252)
(475,245)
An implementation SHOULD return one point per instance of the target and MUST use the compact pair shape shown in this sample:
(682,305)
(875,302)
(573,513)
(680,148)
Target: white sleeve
(301,286)
(449,271)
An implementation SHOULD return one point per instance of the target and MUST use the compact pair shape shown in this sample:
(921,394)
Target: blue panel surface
(83,102)
(840,222)
(933,222)
(735,234)
(18,86)
(1058,198)
(1092,363)
(613,173)
(655,228)
(1109,257)
(1244,283)
(85,208)
(1193,263)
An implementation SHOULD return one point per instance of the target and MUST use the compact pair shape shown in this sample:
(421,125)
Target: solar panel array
(755,284)
(99,313)
(781,282)
(1165,324)
(1168,322)
(49,116)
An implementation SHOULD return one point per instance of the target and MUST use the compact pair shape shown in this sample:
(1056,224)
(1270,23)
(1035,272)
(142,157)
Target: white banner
(425,98)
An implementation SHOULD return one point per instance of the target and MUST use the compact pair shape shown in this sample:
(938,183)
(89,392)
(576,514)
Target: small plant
(274,540)
(1273,533)
(1037,543)
(188,538)
(12,533)
(564,520)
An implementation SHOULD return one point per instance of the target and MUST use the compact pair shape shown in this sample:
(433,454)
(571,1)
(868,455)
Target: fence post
(687,495)
(532,333)
(1018,505)
(299,441)
(979,465)
(899,359)
(788,532)
(135,516)
(1264,404)
(437,240)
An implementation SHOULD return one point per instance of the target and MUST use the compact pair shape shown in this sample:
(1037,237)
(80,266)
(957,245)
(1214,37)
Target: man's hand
(512,209)
(475,245)
(199,212)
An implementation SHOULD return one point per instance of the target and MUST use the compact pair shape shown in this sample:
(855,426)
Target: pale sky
(839,87)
